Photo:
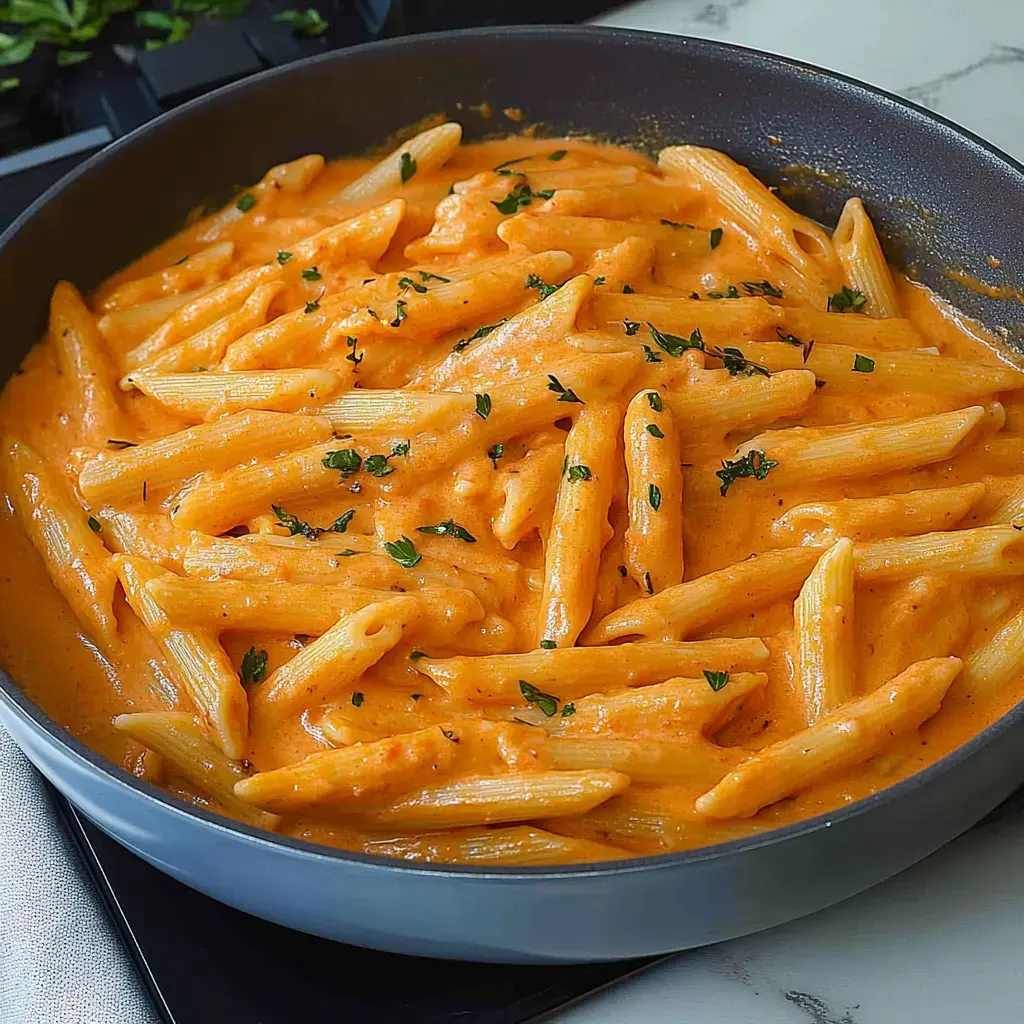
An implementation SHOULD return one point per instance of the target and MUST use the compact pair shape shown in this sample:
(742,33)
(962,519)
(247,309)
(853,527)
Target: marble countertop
(943,943)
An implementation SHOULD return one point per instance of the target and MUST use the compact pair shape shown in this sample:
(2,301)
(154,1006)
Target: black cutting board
(206,963)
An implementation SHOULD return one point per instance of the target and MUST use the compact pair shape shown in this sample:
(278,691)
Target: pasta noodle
(519,502)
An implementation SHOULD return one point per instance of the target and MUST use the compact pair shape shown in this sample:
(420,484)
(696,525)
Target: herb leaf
(348,461)
(716,680)
(510,163)
(425,275)
(729,293)
(94,524)
(495,452)
(405,283)
(311,274)
(283,257)
(715,238)
(547,702)
(480,332)
(754,464)
(357,699)
(353,356)
(630,327)
(534,281)
(761,288)
(655,431)
(521,195)
(654,401)
(400,313)
(650,355)
(340,525)
(654,496)
(406,166)
(246,203)
(862,364)
(564,394)
(403,551)
(568,709)
(558,154)
(449,528)
(846,300)
(254,666)
(483,405)
(735,362)
(673,344)
(579,472)
(548,645)
(294,525)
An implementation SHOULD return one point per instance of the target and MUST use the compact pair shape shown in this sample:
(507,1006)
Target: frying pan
(947,198)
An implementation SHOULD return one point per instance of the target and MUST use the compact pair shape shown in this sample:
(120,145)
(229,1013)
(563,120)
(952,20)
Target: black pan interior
(941,201)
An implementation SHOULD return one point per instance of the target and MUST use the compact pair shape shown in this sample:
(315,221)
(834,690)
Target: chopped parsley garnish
(547,702)
(416,696)
(480,332)
(729,293)
(357,699)
(761,288)
(340,525)
(675,224)
(483,405)
(521,195)
(353,356)
(648,583)
(548,645)
(544,193)
(400,313)
(630,327)
(736,363)
(311,274)
(294,525)
(623,571)
(655,431)
(118,445)
(755,463)
(416,655)
(377,465)
(715,237)
(245,203)
(254,666)
(598,280)
(510,163)
(558,154)
(406,166)
(789,339)
(654,401)
(425,275)
(568,709)
(650,355)
(313,306)
(846,300)
(448,734)
(579,472)
(564,394)
(405,283)
(403,551)
(495,452)
(348,461)
(94,524)
(534,281)
(673,344)
(283,257)
(449,528)
(862,364)
(716,680)
(654,496)
(178,263)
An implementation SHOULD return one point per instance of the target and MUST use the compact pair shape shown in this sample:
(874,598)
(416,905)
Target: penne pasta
(863,261)
(576,671)
(994,660)
(199,270)
(579,526)
(847,736)
(653,546)
(530,487)
(823,627)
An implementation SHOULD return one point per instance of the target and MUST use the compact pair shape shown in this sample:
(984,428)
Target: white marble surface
(944,942)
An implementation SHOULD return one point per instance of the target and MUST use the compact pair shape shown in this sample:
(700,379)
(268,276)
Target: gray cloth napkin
(61,960)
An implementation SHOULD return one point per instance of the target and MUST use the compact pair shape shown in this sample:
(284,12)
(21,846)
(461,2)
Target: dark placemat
(206,963)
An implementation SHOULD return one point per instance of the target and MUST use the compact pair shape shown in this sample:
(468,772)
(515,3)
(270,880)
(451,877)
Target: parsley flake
(348,461)
(283,257)
(630,327)
(755,463)
(729,293)
(495,452)
(654,401)
(94,524)
(357,699)
(558,155)
(715,238)
(846,300)
(547,702)
(405,283)
(862,364)
(311,274)
(548,645)
(425,275)
(534,281)
(568,709)
(483,405)
(246,203)
(650,355)
(673,344)
(449,528)
(403,551)
(716,680)
(564,394)
(353,356)
(579,472)
(654,496)
(406,166)
(254,666)
(400,313)
(761,288)
(655,431)
(598,280)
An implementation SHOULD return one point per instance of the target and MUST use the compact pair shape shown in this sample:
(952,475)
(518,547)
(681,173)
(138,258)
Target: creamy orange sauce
(46,650)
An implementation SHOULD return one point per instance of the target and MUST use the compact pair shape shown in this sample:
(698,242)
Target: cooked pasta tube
(890,515)
(845,737)
(625,265)
(985,551)
(698,603)
(677,707)
(124,475)
(766,218)
(205,396)
(579,527)
(576,671)
(196,660)
(653,544)
(422,154)
(492,800)
(67,541)
(199,270)
(83,362)
(655,199)
(518,845)
(353,777)
(863,261)
(308,608)
(807,455)
(403,411)
(179,738)
(206,348)
(823,625)
(1004,502)
(340,656)
(123,329)
(530,487)
(151,535)
(995,659)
